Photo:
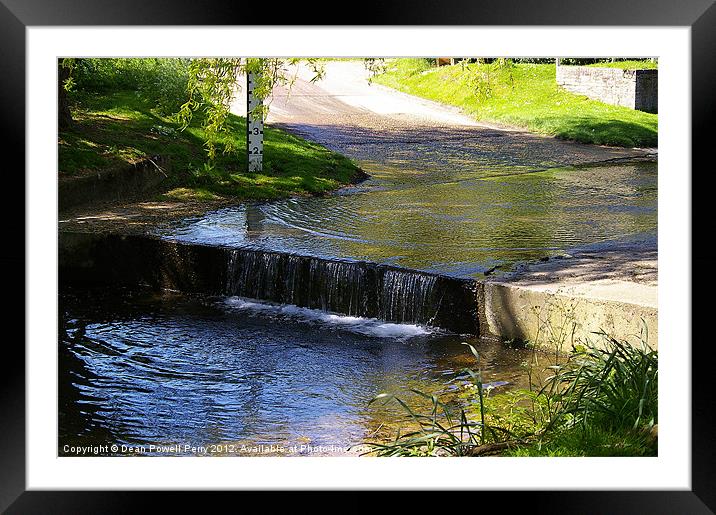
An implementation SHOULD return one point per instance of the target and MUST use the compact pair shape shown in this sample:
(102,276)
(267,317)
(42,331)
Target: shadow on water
(442,152)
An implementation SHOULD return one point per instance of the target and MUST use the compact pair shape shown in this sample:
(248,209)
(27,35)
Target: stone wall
(636,89)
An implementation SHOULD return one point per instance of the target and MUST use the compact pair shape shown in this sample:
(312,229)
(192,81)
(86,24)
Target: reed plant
(601,400)
(613,385)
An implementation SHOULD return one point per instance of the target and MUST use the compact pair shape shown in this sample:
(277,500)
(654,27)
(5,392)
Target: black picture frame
(699,15)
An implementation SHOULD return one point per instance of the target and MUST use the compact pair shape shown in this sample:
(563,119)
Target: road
(370,122)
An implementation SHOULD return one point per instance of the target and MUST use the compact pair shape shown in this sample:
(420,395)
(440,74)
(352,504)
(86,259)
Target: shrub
(162,81)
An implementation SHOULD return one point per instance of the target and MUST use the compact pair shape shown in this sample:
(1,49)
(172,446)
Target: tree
(212,87)
(64,84)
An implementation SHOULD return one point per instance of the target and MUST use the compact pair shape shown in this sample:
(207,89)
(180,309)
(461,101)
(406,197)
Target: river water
(189,375)
(177,375)
(457,224)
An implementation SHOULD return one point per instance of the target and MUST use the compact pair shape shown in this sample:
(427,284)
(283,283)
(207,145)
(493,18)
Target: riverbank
(525,96)
(119,129)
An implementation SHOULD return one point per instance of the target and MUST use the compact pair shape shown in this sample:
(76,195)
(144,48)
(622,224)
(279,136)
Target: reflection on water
(456,223)
(139,370)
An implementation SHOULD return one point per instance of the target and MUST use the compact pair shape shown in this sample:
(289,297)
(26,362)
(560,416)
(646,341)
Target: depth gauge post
(254,125)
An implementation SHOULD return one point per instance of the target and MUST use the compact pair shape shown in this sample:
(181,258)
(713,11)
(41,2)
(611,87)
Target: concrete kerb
(557,318)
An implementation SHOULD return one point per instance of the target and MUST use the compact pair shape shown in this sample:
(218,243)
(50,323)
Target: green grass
(119,128)
(591,441)
(523,95)
(601,401)
(627,65)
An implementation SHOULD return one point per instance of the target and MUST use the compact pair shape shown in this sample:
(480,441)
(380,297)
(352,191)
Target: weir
(354,288)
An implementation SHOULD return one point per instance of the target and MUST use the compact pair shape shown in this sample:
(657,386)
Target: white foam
(368,326)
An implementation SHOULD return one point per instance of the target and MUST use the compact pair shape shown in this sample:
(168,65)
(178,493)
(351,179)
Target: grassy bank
(601,400)
(523,95)
(118,128)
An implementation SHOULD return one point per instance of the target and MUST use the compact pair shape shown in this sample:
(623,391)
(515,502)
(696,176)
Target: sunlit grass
(526,96)
(119,128)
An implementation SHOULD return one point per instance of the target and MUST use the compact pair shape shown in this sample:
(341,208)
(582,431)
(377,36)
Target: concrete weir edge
(556,320)
(552,319)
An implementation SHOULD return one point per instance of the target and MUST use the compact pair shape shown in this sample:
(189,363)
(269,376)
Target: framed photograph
(458,215)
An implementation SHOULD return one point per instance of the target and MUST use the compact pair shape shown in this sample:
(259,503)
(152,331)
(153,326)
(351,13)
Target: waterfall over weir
(353,288)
